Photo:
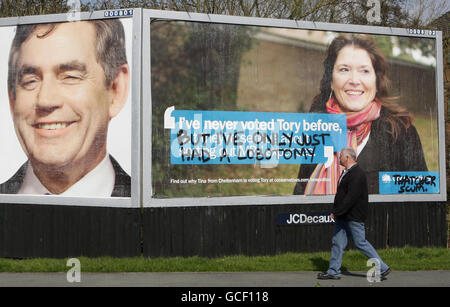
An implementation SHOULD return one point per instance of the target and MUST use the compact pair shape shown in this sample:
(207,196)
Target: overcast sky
(435,8)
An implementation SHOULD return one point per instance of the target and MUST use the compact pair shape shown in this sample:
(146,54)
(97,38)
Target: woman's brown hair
(395,114)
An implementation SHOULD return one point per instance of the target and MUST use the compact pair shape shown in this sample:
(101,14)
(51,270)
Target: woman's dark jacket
(382,153)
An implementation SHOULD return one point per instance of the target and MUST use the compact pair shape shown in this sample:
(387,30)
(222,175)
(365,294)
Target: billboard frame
(147,192)
(135,90)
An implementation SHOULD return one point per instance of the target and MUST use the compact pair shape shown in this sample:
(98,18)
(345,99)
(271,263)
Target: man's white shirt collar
(363,144)
(97,183)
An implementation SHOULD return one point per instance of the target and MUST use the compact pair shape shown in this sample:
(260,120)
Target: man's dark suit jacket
(351,200)
(122,185)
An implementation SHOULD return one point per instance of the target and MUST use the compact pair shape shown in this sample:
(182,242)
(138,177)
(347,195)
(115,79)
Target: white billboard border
(147,193)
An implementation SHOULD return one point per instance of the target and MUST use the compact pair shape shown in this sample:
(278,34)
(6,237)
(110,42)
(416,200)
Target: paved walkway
(223,279)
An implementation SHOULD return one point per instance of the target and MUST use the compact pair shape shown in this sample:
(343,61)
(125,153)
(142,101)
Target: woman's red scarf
(324,180)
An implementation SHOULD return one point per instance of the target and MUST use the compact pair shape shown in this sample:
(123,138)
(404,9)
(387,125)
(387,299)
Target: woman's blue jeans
(342,231)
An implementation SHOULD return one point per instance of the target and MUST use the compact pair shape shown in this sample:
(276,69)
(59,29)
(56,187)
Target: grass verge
(401,259)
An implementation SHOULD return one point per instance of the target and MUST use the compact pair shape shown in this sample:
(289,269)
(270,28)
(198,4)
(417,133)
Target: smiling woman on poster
(66,81)
(382,133)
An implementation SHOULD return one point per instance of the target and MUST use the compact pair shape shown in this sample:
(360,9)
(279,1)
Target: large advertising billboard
(256,111)
(67,110)
(131,108)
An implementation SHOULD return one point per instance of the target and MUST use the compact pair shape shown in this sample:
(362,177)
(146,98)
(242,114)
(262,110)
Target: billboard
(194,109)
(69,114)
(255,111)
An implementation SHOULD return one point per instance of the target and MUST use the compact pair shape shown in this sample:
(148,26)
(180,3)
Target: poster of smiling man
(66,109)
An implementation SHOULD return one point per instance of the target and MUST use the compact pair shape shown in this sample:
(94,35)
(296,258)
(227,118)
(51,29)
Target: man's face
(62,107)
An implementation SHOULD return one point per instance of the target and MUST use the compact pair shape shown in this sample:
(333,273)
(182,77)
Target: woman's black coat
(382,153)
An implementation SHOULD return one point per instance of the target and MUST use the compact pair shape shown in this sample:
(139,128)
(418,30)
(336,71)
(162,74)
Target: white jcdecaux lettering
(309,219)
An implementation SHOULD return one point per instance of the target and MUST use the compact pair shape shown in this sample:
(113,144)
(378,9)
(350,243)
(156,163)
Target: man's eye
(29,84)
(71,79)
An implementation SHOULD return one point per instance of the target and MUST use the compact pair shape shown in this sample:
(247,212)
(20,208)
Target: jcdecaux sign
(304,218)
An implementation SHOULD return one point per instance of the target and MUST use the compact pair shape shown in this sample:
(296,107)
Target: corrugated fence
(67,231)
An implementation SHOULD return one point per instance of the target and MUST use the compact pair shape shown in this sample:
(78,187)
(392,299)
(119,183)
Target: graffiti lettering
(413,183)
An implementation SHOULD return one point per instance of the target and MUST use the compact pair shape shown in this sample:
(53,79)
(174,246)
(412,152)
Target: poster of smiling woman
(246,110)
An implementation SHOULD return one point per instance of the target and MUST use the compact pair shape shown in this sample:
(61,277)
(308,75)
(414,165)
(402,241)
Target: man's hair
(350,152)
(110,47)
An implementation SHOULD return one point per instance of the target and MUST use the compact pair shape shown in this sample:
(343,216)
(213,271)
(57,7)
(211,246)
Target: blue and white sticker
(409,182)
(232,137)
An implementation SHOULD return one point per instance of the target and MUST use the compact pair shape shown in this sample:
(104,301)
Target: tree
(424,12)
(195,66)
(10,8)
(393,13)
